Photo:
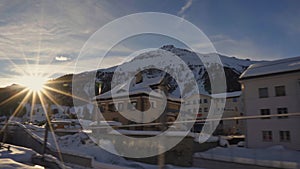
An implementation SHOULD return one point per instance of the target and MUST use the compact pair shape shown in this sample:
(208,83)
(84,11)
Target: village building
(148,98)
(232,109)
(198,105)
(271,91)
(230,124)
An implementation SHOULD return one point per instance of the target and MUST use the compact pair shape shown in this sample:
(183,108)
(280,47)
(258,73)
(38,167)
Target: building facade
(146,98)
(232,109)
(271,90)
(190,106)
(150,110)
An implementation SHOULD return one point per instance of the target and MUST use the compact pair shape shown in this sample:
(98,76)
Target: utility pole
(142,111)
(5,130)
(161,147)
(45,138)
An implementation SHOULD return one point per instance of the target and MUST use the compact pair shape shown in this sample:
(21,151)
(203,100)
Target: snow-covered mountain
(233,67)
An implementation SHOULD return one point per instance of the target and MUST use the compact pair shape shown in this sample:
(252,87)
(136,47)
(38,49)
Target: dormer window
(139,78)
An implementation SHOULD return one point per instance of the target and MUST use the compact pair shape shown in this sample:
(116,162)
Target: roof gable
(272,67)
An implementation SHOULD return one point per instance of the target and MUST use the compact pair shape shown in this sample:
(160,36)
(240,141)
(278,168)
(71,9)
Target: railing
(23,137)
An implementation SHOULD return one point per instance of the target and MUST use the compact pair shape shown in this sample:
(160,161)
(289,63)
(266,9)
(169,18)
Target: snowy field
(81,144)
(17,157)
(276,156)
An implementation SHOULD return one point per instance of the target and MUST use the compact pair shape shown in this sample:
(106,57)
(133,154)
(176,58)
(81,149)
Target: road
(211,164)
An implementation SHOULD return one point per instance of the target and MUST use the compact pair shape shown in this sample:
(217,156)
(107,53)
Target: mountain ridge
(233,67)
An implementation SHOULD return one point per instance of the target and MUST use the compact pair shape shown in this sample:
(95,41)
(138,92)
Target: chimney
(138,78)
(98,87)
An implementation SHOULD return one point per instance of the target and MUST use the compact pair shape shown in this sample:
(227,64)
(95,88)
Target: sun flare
(33,83)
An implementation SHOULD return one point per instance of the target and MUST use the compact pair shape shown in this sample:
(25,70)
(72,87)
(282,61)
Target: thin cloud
(242,48)
(185,7)
(62,58)
(34,33)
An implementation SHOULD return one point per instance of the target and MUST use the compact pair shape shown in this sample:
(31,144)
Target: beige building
(146,98)
(197,105)
(204,105)
(149,107)
(271,90)
(232,109)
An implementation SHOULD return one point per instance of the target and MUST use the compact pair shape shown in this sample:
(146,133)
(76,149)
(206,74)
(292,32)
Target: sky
(45,37)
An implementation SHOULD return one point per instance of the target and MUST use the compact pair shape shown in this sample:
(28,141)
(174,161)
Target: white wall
(253,104)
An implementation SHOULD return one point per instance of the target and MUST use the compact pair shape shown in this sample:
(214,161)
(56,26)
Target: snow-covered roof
(140,88)
(272,67)
(145,90)
(151,133)
(120,93)
(105,123)
(65,121)
(146,82)
(227,95)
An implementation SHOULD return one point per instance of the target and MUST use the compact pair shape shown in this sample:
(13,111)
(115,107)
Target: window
(221,122)
(199,115)
(55,111)
(132,105)
(120,106)
(153,104)
(102,108)
(267,136)
(111,107)
(205,109)
(200,109)
(204,100)
(200,101)
(279,90)
(234,99)
(116,119)
(265,112)
(282,110)
(263,92)
(285,136)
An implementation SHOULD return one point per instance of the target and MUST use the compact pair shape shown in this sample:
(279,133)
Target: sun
(33,83)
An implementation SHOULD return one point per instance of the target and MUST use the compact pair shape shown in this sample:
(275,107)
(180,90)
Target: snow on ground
(11,164)
(17,153)
(276,156)
(75,143)
(199,137)
(81,144)
(17,157)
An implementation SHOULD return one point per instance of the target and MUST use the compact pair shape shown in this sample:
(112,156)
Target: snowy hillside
(189,57)
(233,67)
